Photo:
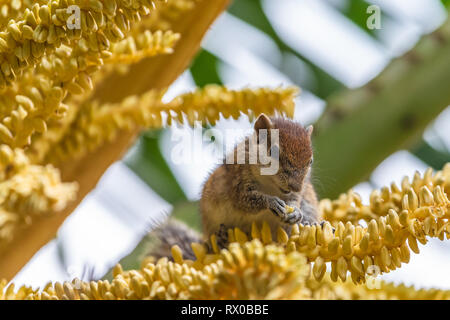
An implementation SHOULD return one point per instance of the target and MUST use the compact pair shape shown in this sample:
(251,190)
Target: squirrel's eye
(311,162)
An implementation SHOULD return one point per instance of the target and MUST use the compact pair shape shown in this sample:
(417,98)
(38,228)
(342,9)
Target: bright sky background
(96,234)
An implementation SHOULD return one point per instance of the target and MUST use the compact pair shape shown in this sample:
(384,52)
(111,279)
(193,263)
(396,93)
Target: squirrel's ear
(309,130)
(263,122)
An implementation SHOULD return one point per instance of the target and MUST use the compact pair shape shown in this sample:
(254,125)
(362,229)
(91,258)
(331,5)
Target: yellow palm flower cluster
(403,218)
(382,200)
(96,123)
(65,59)
(13,9)
(242,271)
(248,271)
(326,289)
(208,104)
(166,15)
(267,268)
(44,27)
(28,191)
(145,44)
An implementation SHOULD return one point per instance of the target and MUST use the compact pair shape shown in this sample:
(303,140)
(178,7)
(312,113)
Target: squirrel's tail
(173,232)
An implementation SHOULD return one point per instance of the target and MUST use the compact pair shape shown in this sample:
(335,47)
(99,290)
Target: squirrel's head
(293,147)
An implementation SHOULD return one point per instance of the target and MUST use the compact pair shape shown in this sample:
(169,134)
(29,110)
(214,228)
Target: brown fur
(171,233)
(235,195)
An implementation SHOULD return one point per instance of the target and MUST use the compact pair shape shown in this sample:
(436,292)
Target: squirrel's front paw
(277,206)
(295,216)
(281,210)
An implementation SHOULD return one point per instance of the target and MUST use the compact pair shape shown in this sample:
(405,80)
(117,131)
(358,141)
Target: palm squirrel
(238,194)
